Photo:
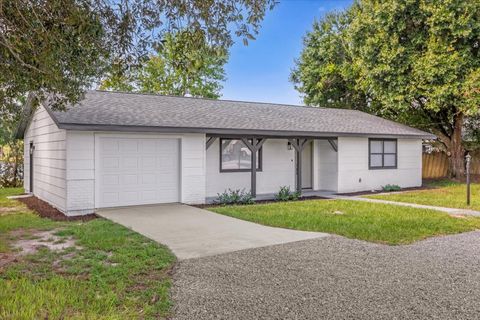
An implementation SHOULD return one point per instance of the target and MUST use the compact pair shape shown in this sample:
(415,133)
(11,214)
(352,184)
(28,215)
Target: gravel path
(335,278)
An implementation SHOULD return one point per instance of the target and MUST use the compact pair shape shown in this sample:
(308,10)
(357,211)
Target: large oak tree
(415,61)
(62,47)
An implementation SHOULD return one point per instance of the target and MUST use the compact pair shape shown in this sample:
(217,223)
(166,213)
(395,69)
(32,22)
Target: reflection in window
(235,156)
(383,154)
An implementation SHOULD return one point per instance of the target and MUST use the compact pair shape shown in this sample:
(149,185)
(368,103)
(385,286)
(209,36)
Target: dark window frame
(260,158)
(383,153)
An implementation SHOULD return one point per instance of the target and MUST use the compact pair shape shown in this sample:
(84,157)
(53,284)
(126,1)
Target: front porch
(308,165)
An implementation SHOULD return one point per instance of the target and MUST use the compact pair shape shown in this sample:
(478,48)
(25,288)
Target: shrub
(285,194)
(391,187)
(235,197)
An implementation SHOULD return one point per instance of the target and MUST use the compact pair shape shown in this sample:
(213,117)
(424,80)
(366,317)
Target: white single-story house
(123,149)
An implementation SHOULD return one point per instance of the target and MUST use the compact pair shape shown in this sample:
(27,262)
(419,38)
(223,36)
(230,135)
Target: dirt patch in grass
(47,211)
(6,259)
(9,210)
(43,239)
(30,241)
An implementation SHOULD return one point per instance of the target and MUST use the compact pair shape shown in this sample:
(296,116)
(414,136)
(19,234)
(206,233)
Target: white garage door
(133,171)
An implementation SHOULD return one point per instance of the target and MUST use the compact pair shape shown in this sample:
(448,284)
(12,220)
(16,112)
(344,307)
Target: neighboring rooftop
(102,110)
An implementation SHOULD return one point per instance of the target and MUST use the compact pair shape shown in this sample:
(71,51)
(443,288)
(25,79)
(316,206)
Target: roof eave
(231,132)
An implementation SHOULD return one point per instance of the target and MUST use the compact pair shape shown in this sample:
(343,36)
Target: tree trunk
(456,149)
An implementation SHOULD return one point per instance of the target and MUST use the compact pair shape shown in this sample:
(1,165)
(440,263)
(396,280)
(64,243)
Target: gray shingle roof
(101,110)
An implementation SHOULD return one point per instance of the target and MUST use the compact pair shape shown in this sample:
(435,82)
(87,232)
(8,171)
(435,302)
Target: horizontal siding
(193,168)
(327,166)
(278,169)
(354,174)
(81,169)
(80,172)
(49,159)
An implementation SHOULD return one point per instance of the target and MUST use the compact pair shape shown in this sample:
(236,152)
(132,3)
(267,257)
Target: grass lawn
(353,219)
(444,193)
(109,272)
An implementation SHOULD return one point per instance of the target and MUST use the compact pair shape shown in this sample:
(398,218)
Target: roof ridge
(211,99)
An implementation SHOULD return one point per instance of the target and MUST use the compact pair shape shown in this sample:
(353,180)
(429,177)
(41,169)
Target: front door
(307,165)
(32,149)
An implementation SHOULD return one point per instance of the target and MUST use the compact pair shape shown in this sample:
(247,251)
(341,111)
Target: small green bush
(391,187)
(235,197)
(285,194)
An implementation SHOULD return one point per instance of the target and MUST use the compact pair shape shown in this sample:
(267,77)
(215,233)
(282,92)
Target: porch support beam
(210,141)
(333,143)
(253,146)
(298,145)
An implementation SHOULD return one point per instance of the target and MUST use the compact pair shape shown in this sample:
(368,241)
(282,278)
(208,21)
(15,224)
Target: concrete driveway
(191,232)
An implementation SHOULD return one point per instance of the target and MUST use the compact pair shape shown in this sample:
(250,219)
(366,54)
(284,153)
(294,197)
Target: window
(383,154)
(236,157)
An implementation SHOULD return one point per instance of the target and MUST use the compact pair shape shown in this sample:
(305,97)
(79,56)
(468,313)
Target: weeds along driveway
(335,278)
(192,232)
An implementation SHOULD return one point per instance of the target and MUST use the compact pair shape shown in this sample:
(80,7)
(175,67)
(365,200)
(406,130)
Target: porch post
(298,145)
(253,147)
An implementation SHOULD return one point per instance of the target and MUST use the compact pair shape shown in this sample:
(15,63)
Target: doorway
(307,162)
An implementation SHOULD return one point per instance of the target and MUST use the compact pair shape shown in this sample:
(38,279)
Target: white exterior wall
(49,161)
(278,169)
(193,168)
(327,166)
(80,172)
(354,174)
(81,168)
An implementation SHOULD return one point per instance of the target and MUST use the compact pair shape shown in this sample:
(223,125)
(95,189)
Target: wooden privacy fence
(435,165)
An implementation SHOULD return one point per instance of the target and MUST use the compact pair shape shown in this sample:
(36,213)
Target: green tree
(419,61)
(323,74)
(184,64)
(59,48)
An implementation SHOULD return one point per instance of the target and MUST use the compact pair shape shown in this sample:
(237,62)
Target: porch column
(298,145)
(254,146)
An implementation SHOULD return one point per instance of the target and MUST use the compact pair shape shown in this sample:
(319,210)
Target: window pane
(375,160)
(376,146)
(390,147)
(389,160)
(236,155)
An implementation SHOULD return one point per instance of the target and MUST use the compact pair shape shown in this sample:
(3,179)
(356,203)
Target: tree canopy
(62,47)
(184,64)
(414,61)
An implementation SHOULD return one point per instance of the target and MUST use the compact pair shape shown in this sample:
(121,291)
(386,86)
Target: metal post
(468,158)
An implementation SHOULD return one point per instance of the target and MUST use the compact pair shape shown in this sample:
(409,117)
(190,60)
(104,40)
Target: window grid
(383,154)
(259,157)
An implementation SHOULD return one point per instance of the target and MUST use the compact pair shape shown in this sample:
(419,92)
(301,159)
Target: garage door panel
(109,146)
(129,180)
(149,179)
(128,145)
(110,162)
(129,162)
(136,171)
(110,179)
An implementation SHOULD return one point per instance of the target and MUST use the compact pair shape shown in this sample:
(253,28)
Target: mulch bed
(45,210)
(211,205)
